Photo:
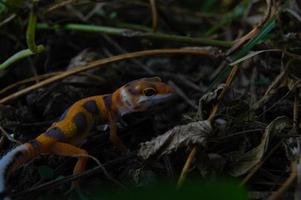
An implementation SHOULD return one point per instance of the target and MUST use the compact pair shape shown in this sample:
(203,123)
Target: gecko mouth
(158,99)
(154,100)
(147,103)
(161,100)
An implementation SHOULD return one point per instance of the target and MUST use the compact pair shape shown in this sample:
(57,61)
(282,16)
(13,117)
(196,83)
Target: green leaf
(258,38)
(226,190)
(245,49)
(252,54)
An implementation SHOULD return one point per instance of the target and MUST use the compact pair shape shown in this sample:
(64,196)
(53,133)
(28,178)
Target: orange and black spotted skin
(66,135)
(76,122)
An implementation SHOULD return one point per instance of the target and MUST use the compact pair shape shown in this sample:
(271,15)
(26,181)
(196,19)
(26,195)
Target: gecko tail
(12,161)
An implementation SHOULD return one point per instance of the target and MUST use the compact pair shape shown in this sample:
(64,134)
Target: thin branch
(10,138)
(258,165)
(104,171)
(193,152)
(295,111)
(183,95)
(154,12)
(101,62)
(31,79)
(288,182)
(16,57)
(31,33)
(67,179)
(186,167)
(133,34)
(8,19)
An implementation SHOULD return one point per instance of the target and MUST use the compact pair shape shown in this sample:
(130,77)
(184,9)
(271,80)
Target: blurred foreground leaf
(201,190)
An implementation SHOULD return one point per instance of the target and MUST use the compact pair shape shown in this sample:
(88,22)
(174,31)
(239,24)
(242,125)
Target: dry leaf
(210,99)
(179,136)
(244,162)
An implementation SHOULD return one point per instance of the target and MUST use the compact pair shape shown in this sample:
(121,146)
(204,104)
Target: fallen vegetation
(234,66)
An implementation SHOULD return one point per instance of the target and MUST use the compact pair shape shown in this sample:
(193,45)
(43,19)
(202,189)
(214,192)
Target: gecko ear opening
(154,79)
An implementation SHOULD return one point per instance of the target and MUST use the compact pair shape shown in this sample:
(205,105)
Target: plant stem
(101,62)
(31,32)
(132,33)
(16,57)
(30,40)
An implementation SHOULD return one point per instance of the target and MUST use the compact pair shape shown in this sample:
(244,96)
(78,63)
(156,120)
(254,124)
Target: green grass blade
(246,48)
(258,38)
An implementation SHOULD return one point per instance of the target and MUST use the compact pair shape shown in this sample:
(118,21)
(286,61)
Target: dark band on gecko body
(56,133)
(108,101)
(35,144)
(91,107)
(80,121)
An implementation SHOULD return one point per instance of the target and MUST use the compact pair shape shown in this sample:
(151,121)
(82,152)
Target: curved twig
(101,62)
(67,179)
(193,152)
(154,12)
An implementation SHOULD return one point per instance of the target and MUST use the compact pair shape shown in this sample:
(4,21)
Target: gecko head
(142,94)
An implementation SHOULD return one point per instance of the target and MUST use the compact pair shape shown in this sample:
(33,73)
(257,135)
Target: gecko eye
(149,92)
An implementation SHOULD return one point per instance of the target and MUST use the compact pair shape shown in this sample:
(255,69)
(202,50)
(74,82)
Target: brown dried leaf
(244,162)
(210,99)
(180,136)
